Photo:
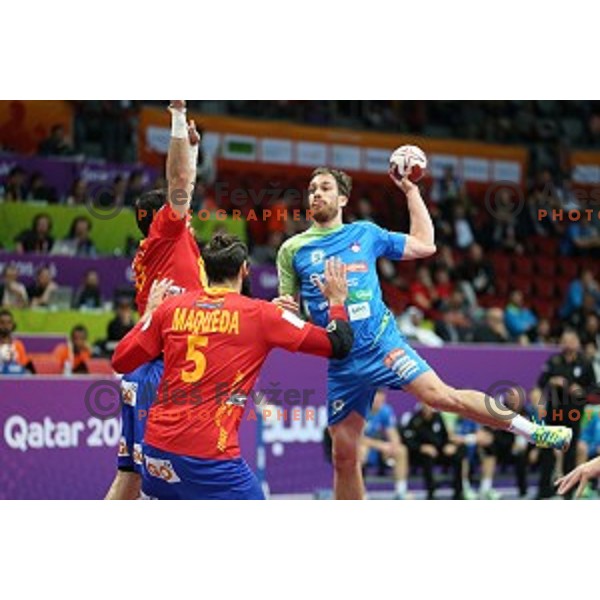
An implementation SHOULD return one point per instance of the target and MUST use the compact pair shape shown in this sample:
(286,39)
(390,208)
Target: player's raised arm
(182,159)
(420,242)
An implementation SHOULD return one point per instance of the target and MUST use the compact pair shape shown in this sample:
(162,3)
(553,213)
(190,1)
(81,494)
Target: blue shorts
(138,391)
(167,476)
(352,383)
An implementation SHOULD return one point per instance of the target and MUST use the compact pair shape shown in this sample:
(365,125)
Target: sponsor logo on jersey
(403,365)
(358,267)
(129,392)
(315,279)
(337,406)
(162,469)
(317,257)
(355,247)
(358,312)
(392,356)
(293,319)
(208,305)
(360,296)
(237,400)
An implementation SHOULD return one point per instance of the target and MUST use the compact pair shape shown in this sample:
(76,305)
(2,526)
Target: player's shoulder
(367,227)
(294,243)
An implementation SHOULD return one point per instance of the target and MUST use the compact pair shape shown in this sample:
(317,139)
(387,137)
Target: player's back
(170,251)
(215,343)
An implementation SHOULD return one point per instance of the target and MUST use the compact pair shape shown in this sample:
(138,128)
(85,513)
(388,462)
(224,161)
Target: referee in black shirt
(566,380)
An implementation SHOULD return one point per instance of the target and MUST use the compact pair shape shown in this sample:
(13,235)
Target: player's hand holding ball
(407,166)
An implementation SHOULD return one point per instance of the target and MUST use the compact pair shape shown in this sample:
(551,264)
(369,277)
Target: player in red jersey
(215,343)
(168,252)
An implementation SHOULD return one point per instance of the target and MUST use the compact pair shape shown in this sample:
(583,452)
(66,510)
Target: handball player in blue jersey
(381,356)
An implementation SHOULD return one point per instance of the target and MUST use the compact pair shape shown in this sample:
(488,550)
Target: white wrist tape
(179,126)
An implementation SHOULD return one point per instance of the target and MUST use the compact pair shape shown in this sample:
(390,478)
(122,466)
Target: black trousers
(427,464)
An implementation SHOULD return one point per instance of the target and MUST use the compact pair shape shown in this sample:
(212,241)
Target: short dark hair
(145,209)
(74,225)
(37,218)
(4,312)
(343,180)
(79,329)
(223,257)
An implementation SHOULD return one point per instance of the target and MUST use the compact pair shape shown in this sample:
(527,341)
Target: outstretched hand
(405,184)
(581,475)
(335,287)
(158,294)
(193,134)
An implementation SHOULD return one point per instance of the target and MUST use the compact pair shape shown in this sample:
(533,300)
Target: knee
(346,454)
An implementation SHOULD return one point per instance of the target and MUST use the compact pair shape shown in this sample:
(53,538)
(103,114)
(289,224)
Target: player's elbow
(429,250)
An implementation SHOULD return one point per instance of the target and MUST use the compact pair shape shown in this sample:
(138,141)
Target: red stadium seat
(568,268)
(523,283)
(547,246)
(523,266)
(544,288)
(562,285)
(545,266)
(45,364)
(543,308)
(100,366)
(502,264)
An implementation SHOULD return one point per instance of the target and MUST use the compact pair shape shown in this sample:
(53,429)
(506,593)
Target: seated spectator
(579,316)
(56,144)
(12,293)
(89,295)
(14,187)
(476,271)
(79,195)
(591,330)
(429,444)
(410,324)
(123,322)
(519,319)
(381,443)
(38,190)
(464,230)
(442,284)
(454,323)
(73,357)
(41,290)
(585,284)
(478,442)
(38,238)
(422,293)
(493,331)
(13,356)
(541,335)
(78,242)
(502,231)
(581,238)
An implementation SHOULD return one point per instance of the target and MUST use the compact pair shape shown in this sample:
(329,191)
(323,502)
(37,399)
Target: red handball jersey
(170,251)
(215,344)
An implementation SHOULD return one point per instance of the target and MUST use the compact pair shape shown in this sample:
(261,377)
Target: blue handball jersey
(301,261)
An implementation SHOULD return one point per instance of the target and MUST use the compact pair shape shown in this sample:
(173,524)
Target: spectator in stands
(581,238)
(56,144)
(381,443)
(79,240)
(40,292)
(591,330)
(542,334)
(14,187)
(411,325)
(464,230)
(74,356)
(422,293)
(519,319)
(89,295)
(476,272)
(502,231)
(123,322)
(493,330)
(119,191)
(454,324)
(585,284)
(364,210)
(444,234)
(13,356)
(442,284)
(564,383)
(428,442)
(446,190)
(38,238)
(38,190)
(589,307)
(78,196)
(12,293)
(445,259)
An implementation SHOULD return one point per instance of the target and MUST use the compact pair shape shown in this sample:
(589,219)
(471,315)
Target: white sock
(522,426)
(401,487)
(486,485)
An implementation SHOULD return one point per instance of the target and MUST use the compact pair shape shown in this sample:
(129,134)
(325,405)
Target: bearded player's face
(324,200)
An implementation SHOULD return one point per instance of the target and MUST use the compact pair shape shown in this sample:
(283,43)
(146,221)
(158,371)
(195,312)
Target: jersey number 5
(195,355)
